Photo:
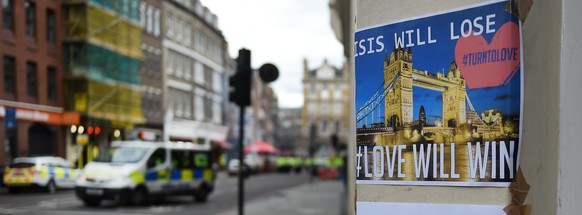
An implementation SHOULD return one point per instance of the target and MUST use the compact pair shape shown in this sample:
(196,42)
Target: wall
(539,155)
(569,171)
(551,111)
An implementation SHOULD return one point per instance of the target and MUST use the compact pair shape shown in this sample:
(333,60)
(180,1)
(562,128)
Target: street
(224,198)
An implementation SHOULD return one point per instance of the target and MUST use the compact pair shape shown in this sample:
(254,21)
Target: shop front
(32,130)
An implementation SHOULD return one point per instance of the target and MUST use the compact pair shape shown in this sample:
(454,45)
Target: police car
(47,172)
(130,172)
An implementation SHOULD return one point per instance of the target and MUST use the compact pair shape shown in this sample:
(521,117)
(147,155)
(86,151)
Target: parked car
(252,161)
(47,172)
(234,165)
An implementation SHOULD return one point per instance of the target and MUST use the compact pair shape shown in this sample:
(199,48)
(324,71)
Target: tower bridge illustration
(394,99)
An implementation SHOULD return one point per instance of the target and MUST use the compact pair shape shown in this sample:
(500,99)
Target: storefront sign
(25,114)
(439,99)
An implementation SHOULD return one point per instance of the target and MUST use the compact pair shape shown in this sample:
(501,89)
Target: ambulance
(47,172)
(132,172)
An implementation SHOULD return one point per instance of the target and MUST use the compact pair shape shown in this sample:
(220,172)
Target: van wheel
(91,202)
(140,196)
(51,187)
(201,195)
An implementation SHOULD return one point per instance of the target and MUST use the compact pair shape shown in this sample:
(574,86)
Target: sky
(282,32)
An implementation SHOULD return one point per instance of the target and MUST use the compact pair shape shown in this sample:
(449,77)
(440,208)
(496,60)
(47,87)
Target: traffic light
(240,82)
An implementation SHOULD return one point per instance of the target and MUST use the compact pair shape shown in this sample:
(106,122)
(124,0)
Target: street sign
(10,118)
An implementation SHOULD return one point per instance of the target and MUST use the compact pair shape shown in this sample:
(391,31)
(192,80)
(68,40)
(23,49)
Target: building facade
(151,72)
(288,129)
(103,59)
(326,104)
(34,121)
(194,70)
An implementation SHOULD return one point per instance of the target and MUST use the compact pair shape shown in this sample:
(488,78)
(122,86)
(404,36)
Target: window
(157,158)
(337,94)
(208,76)
(157,23)
(178,103)
(187,104)
(8,14)
(216,82)
(337,108)
(169,63)
(312,89)
(187,68)
(30,18)
(311,108)
(51,83)
(149,21)
(198,72)
(201,160)
(170,24)
(324,94)
(217,110)
(188,35)
(142,14)
(178,63)
(31,79)
(9,75)
(207,109)
(50,25)
(199,104)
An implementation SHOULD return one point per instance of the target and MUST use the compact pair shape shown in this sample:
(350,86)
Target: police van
(131,172)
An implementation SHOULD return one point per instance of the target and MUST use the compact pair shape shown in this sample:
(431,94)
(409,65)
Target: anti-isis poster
(439,99)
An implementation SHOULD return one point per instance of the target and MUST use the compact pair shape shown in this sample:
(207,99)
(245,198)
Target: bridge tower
(454,98)
(398,103)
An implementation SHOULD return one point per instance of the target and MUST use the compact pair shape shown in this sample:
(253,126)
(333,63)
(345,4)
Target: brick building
(31,100)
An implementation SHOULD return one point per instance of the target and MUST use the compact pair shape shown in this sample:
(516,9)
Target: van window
(157,158)
(176,158)
(201,160)
(122,155)
(182,159)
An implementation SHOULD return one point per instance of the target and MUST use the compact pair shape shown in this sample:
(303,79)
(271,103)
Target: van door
(157,174)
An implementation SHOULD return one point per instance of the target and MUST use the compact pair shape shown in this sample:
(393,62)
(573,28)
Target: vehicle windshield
(21,165)
(122,155)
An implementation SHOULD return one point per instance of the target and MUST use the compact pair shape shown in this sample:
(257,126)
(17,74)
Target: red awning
(222,144)
(261,147)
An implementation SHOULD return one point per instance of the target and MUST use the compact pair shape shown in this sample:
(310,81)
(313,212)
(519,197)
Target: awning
(261,147)
(222,144)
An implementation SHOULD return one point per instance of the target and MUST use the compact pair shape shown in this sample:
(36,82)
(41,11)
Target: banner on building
(439,99)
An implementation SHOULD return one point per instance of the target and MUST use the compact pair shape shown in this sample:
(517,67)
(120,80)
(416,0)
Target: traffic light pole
(241,132)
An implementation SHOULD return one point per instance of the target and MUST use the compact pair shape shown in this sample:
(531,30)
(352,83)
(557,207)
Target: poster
(439,99)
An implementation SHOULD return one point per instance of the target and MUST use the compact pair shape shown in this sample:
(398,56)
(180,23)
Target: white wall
(570,167)
(539,154)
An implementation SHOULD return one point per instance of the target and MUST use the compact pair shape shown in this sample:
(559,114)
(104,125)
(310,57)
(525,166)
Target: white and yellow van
(47,172)
(134,171)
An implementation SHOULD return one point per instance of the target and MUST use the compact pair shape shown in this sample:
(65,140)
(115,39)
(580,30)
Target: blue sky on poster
(435,58)
(282,32)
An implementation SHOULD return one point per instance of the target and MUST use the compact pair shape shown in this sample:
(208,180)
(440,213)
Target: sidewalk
(317,198)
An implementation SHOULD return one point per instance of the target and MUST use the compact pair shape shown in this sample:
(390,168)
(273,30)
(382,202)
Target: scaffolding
(103,57)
